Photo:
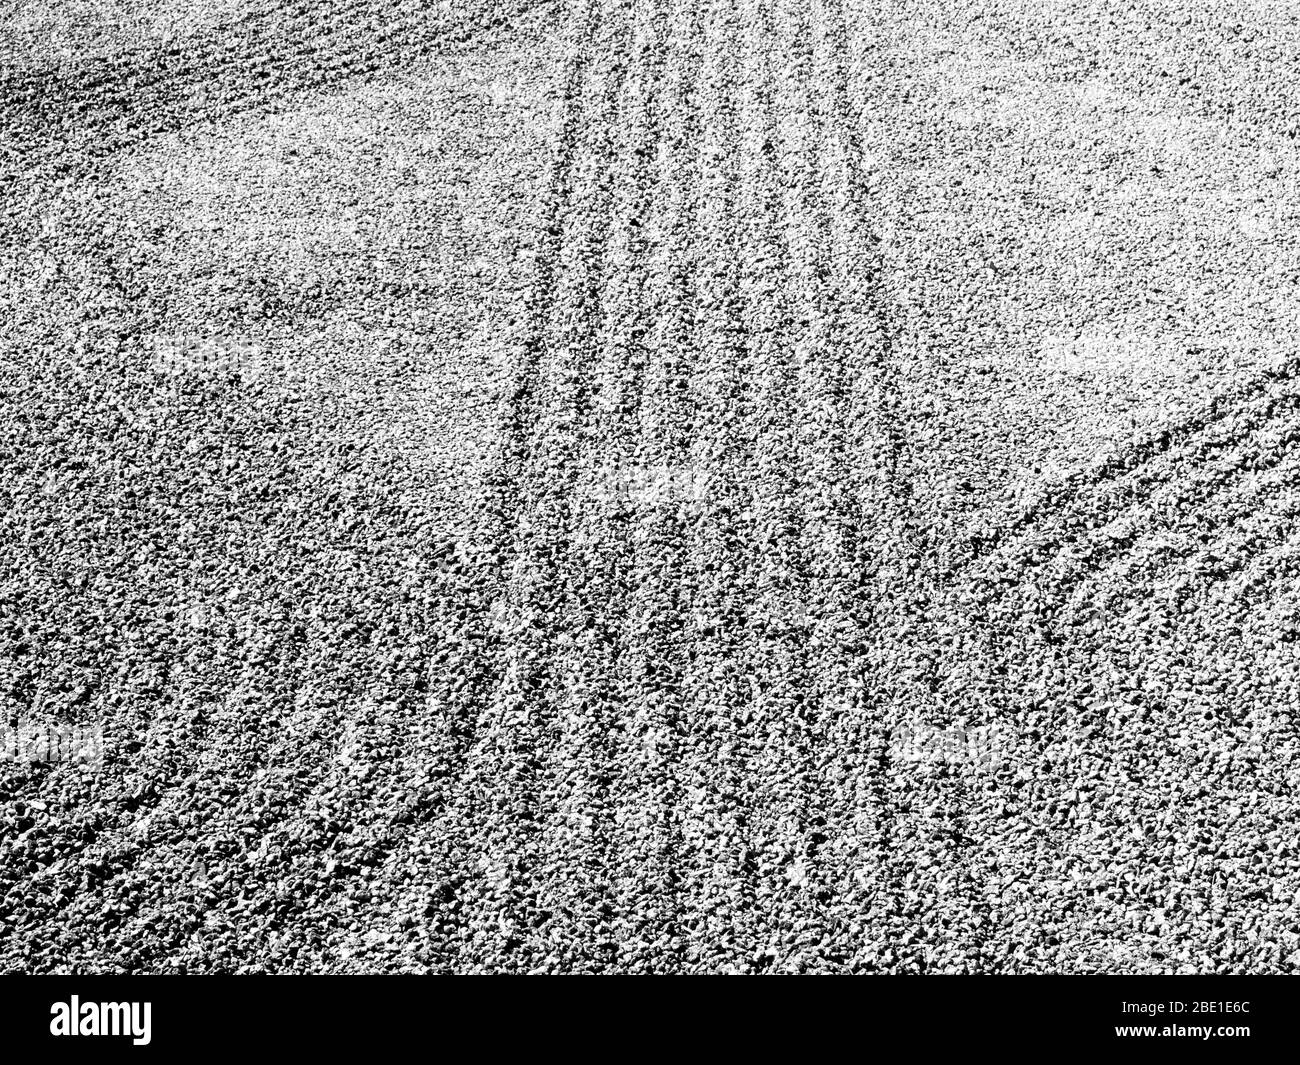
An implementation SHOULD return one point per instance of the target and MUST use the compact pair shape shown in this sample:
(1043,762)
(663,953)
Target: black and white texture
(649,486)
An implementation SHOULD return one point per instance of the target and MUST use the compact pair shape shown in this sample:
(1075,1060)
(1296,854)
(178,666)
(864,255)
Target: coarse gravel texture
(657,486)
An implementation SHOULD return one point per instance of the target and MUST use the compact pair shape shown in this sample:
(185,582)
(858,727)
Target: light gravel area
(746,486)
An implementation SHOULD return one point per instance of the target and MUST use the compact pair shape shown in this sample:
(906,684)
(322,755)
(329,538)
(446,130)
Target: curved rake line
(232,69)
(1136,457)
(1212,485)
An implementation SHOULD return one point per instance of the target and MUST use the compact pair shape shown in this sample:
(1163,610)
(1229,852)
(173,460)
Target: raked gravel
(756,486)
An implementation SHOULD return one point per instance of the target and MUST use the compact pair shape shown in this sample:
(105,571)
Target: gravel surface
(747,486)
